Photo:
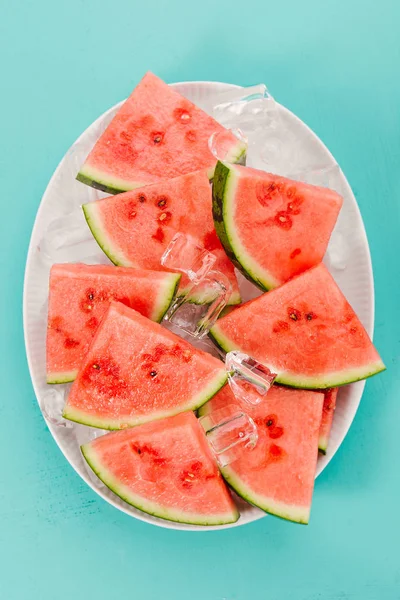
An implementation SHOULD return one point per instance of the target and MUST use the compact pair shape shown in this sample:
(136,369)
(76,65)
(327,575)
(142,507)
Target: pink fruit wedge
(156,134)
(135,228)
(137,371)
(305,331)
(78,298)
(166,469)
(278,474)
(272,228)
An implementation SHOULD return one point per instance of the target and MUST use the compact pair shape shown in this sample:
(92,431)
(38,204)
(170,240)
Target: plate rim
(141,516)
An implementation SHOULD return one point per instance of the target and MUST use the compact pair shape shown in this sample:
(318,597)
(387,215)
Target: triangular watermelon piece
(137,371)
(278,474)
(305,331)
(135,228)
(165,469)
(79,295)
(272,228)
(327,419)
(156,134)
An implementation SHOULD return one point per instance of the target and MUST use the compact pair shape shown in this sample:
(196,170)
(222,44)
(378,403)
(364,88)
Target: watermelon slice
(78,298)
(305,331)
(327,419)
(157,134)
(134,228)
(137,371)
(165,469)
(278,474)
(264,222)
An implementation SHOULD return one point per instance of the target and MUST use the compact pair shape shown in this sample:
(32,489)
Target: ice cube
(338,252)
(329,175)
(229,433)
(69,239)
(198,309)
(71,194)
(220,143)
(185,255)
(248,379)
(52,405)
(219,105)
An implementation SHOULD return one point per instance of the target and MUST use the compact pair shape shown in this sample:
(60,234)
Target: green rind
(238,154)
(169,293)
(335,379)
(220,182)
(61,377)
(108,189)
(288,513)
(90,212)
(323,444)
(78,416)
(203,410)
(234,300)
(148,507)
(223,195)
(104,182)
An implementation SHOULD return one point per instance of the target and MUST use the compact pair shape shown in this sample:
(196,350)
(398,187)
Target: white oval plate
(59,215)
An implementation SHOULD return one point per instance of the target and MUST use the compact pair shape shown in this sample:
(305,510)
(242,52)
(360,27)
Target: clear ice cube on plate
(229,432)
(198,306)
(248,379)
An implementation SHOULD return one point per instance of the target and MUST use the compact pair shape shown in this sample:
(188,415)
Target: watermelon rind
(61,377)
(106,182)
(93,219)
(147,506)
(167,293)
(297,514)
(224,194)
(78,416)
(237,154)
(323,444)
(299,380)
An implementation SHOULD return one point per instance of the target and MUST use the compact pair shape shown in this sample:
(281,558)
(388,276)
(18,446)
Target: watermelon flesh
(135,228)
(327,419)
(271,227)
(278,474)
(79,295)
(305,331)
(157,134)
(137,371)
(166,469)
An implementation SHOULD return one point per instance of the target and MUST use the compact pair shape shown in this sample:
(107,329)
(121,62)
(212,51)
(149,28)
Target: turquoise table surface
(335,63)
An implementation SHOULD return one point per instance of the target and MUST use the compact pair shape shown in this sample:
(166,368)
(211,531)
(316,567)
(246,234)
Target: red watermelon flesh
(166,469)
(272,228)
(305,331)
(157,134)
(137,371)
(78,298)
(327,418)
(135,228)
(278,474)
